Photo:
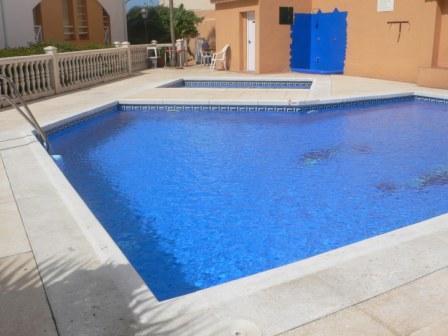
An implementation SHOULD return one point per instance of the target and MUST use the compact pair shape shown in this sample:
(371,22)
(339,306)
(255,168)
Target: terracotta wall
(230,28)
(275,42)
(207,28)
(53,22)
(373,49)
(441,48)
(270,54)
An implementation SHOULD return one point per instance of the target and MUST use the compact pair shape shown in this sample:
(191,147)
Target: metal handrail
(26,113)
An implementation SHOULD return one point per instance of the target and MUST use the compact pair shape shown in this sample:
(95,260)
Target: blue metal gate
(319,42)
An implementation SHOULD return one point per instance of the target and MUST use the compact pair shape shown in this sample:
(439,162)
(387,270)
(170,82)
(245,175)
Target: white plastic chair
(220,57)
(206,57)
(153,55)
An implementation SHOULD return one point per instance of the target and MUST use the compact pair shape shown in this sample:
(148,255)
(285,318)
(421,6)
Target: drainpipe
(2,16)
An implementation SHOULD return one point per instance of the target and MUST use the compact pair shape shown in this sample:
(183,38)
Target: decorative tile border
(432,99)
(299,108)
(203,106)
(84,116)
(239,84)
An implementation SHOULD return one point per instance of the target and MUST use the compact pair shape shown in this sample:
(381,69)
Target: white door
(250,41)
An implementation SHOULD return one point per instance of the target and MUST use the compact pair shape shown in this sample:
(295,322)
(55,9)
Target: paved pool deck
(60,274)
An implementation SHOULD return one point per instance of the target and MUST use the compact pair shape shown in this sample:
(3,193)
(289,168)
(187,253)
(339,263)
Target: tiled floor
(31,214)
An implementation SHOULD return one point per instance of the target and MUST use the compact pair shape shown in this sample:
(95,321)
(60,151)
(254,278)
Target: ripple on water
(362,149)
(386,187)
(314,157)
(436,178)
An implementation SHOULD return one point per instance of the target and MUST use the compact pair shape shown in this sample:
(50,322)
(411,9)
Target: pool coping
(252,292)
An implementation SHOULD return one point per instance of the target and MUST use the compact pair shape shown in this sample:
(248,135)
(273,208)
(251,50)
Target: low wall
(45,75)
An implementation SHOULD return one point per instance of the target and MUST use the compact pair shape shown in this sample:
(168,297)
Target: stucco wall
(191,4)
(373,49)
(207,28)
(20,25)
(52,24)
(275,42)
(19,21)
(441,49)
(2,27)
(230,28)
(117,13)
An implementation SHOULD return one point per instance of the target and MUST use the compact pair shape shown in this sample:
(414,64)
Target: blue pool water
(239,84)
(200,197)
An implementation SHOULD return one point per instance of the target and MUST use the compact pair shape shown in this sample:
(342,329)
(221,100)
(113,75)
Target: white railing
(85,68)
(139,56)
(31,74)
(44,75)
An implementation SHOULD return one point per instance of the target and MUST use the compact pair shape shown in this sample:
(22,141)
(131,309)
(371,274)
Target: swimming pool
(196,196)
(285,84)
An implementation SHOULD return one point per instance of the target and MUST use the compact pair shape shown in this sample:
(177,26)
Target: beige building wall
(118,20)
(191,4)
(207,28)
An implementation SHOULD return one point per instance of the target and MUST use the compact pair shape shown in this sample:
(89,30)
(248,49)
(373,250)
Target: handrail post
(53,52)
(127,45)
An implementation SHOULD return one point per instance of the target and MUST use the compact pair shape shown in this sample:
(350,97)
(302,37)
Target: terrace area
(60,274)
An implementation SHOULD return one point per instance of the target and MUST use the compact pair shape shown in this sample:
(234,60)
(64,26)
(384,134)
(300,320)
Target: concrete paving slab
(439,328)
(285,306)
(13,239)
(367,276)
(5,189)
(414,306)
(348,322)
(24,309)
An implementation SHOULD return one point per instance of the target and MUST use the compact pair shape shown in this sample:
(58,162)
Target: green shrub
(38,48)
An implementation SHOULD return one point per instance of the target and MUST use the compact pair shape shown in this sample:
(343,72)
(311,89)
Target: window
(37,18)
(67,13)
(286,15)
(81,20)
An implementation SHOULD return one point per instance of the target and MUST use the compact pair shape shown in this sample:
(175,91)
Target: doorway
(250,41)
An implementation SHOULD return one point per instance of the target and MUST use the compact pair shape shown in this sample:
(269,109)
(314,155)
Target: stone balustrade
(45,75)
(86,68)
(31,74)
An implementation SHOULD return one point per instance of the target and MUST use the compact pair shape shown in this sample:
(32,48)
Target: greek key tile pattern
(302,109)
(240,84)
(305,109)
